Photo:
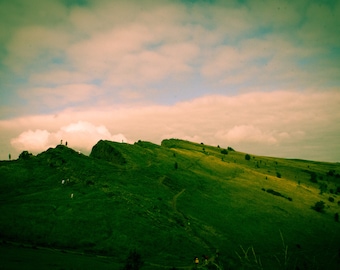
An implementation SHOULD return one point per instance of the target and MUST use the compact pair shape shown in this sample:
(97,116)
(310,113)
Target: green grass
(139,200)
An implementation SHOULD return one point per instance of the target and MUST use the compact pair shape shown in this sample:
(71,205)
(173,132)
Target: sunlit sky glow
(260,76)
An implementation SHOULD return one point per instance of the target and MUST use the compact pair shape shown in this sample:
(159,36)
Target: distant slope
(172,202)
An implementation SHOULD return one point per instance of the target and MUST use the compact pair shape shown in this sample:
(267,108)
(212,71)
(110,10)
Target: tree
(319,206)
(176,165)
(336,217)
(133,261)
(247,157)
(25,155)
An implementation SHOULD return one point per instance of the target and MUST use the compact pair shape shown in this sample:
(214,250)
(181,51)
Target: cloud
(247,133)
(285,124)
(261,75)
(35,46)
(81,135)
(138,45)
(56,97)
(37,140)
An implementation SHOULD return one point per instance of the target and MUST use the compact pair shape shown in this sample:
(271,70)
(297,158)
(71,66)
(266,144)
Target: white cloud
(247,133)
(37,140)
(81,135)
(105,53)
(60,95)
(290,124)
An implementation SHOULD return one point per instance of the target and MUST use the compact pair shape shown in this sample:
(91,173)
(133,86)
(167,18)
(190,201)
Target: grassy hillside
(172,202)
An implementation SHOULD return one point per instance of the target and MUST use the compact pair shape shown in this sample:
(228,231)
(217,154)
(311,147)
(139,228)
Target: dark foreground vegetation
(178,205)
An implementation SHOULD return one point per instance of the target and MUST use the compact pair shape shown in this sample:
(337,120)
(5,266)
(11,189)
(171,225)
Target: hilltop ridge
(171,202)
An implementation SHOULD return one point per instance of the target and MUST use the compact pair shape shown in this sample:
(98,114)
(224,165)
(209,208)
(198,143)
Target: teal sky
(260,76)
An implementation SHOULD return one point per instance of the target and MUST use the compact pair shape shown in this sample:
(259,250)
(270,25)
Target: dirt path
(174,200)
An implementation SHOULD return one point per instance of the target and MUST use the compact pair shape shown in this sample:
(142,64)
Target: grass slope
(174,201)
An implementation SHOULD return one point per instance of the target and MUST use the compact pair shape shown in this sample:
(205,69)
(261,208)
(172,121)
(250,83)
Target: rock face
(105,150)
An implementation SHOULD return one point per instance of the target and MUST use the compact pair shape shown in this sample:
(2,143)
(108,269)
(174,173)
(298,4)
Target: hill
(172,202)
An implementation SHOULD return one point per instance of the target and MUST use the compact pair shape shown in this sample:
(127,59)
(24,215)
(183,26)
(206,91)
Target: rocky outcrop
(105,150)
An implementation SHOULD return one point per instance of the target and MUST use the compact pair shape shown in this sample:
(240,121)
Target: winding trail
(189,226)
(174,201)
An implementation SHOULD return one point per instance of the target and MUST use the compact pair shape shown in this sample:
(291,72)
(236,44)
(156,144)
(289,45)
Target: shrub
(331,199)
(25,155)
(337,190)
(278,175)
(274,192)
(247,157)
(133,261)
(224,152)
(231,149)
(331,173)
(319,206)
(313,177)
(176,165)
(323,188)
(336,217)
(89,183)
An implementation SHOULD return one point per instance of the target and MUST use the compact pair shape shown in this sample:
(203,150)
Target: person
(196,261)
(66,143)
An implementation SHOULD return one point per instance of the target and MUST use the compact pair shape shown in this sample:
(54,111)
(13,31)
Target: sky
(260,76)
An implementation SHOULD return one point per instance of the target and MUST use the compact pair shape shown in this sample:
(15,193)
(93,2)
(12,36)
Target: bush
(323,188)
(337,190)
(278,175)
(336,217)
(319,206)
(274,192)
(25,155)
(331,199)
(133,261)
(313,177)
(247,157)
(224,152)
(331,173)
